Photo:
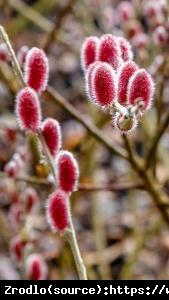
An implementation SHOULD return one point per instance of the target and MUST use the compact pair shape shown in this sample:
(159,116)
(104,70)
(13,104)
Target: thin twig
(14,61)
(48,155)
(54,32)
(156,140)
(151,184)
(70,236)
(33,15)
(83,187)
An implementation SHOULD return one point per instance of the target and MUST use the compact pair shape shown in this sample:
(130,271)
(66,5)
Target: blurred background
(120,231)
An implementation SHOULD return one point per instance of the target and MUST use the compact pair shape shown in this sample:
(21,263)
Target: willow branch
(83,187)
(156,140)
(70,236)
(14,61)
(33,15)
(56,27)
(151,184)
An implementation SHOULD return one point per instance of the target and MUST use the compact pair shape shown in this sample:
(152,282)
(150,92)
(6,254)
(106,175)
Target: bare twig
(83,187)
(31,14)
(15,64)
(54,32)
(70,236)
(152,151)
(151,184)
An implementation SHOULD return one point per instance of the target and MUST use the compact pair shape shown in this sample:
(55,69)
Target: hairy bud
(68,171)
(160,36)
(140,88)
(140,40)
(31,198)
(35,267)
(109,50)
(17,248)
(11,169)
(101,83)
(125,72)
(57,210)
(89,77)
(36,69)
(89,51)
(52,134)
(28,109)
(16,214)
(152,9)
(125,47)
(125,11)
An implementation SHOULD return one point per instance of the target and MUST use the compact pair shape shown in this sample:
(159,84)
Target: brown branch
(31,14)
(83,187)
(151,184)
(54,32)
(115,187)
(153,149)
(109,255)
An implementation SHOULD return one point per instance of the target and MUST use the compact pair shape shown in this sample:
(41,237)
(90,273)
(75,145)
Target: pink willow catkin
(29,116)
(114,82)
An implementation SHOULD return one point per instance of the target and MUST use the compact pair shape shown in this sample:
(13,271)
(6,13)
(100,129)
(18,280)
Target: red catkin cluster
(28,110)
(67,174)
(57,208)
(115,83)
